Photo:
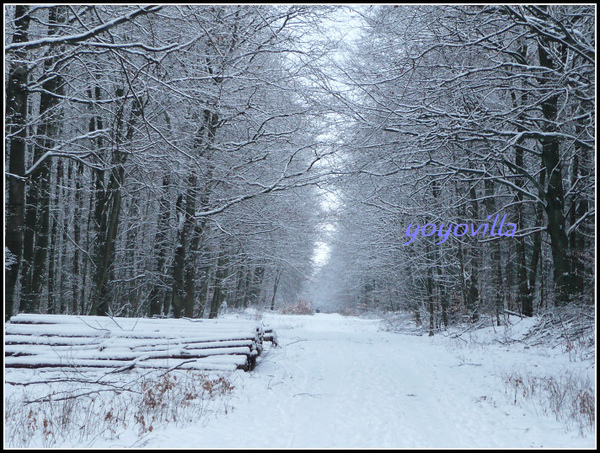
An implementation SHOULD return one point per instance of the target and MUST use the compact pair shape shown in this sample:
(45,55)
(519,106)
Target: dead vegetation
(79,412)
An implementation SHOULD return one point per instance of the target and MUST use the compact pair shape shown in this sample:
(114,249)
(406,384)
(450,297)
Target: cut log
(269,335)
(51,341)
(228,363)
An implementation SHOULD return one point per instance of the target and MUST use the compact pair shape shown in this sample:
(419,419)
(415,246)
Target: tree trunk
(253,288)
(177,294)
(473,282)
(579,208)
(54,269)
(192,234)
(275,286)
(431,300)
(16,113)
(77,288)
(218,294)
(497,283)
(551,161)
(37,233)
(110,210)
(524,297)
(160,251)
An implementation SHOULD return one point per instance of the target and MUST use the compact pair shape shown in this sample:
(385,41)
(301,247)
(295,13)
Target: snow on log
(50,341)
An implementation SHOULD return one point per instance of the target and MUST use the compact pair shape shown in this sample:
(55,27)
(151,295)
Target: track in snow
(340,382)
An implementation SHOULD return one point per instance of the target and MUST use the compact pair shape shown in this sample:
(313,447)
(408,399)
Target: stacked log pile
(50,341)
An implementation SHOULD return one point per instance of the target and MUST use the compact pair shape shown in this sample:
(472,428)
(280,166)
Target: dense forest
(167,160)
(462,114)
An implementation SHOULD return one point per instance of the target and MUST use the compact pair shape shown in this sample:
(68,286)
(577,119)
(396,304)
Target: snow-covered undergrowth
(547,363)
(299,307)
(76,409)
(337,382)
(568,396)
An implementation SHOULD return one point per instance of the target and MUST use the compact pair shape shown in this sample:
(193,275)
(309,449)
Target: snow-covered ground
(344,382)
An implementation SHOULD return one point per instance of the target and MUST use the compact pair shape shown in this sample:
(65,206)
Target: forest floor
(345,382)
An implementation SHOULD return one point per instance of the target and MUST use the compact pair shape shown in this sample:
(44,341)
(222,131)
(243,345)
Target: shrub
(77,413)
(301,307)
(569,397)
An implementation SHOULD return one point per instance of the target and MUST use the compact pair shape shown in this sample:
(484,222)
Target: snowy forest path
(341,382)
